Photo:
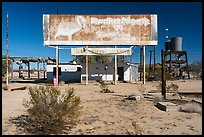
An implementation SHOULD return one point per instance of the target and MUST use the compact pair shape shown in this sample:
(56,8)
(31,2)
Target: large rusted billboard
(100,29)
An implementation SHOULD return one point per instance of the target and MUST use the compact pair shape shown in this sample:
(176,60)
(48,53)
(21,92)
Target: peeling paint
(100,29)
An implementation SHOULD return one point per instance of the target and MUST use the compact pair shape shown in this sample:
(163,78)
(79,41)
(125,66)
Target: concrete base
(167,106)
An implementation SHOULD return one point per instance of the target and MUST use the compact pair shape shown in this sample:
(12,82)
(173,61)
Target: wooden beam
(7,79)
(87,66)
(44,68)
(38,69)
(154,62)
(57,61)
(163,75)
(143,64)
(187,65)
(150,63)
(116,68)
(28,69)
(11,69)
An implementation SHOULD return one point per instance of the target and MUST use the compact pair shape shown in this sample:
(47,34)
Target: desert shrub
(169,87)
(51,111)
(62,83)
(4,87)
(137,128)
(104,88)
(158,86)
(174,87)
(141,88)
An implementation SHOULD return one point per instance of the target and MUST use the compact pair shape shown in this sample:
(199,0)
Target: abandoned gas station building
(70,72)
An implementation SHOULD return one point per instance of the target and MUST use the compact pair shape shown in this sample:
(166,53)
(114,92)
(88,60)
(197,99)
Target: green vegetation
(51,112)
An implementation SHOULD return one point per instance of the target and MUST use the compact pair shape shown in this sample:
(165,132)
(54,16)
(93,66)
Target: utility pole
(7,80)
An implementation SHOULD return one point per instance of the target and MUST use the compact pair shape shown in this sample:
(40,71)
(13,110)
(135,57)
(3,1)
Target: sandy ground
(111,113)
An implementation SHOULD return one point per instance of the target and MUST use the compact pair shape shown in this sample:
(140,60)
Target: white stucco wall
(98,72)
(69,73)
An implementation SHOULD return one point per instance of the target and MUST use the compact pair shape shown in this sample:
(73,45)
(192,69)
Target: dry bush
(169,87)
(52,112)
(137,128)
(174,87)
(191,107)
(104,88)
(4,87)
(62,83)
(159,86)
(141,88)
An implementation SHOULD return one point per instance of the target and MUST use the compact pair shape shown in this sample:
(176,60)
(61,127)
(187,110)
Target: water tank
(176,43)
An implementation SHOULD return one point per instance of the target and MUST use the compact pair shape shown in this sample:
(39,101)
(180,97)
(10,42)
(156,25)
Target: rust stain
(105,28)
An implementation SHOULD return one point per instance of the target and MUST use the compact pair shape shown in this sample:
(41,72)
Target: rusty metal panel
(134,29)
(101,51)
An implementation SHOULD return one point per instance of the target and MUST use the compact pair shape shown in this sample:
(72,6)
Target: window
(54,71)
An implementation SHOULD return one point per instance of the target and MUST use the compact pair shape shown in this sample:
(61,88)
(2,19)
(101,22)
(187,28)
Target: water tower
(176,58)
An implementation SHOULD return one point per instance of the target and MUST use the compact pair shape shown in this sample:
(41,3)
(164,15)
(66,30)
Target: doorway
(120,73)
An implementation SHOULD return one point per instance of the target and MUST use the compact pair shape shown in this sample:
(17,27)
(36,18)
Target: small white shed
(67,72)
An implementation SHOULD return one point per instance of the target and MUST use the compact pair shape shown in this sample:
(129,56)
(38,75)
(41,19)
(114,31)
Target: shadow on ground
(26,125)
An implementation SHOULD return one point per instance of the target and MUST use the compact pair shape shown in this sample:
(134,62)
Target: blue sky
(183,19)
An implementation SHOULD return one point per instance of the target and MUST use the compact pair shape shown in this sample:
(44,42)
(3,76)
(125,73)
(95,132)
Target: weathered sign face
(100,29)
(101,51)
